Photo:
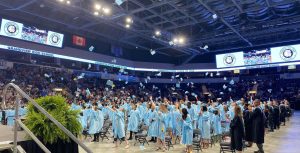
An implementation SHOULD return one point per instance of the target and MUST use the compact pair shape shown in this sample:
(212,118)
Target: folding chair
(103,133)
(168,139)
(142,135)
(197,140)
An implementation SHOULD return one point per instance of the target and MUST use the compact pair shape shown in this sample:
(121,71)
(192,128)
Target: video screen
(257,57)
(35,35)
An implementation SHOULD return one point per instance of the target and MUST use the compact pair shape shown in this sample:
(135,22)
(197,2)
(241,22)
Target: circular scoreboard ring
(288,53)
(229,59)
(11,29)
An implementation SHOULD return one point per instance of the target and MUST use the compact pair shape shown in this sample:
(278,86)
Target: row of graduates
(159,117)
(8,116)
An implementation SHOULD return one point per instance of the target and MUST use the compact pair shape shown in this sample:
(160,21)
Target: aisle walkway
(286,140)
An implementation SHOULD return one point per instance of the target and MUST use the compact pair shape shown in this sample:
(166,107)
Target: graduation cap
(173,88)
(231,82)
(206,73)
(13,80)
(172,77)
(193,94)
(218,74)
(120,79)
(114,60)
(46,75)
(186,92)
(177,85)
(225,78)
(106,89)
(126,82)
(269,90)
(121,70)
(61,78)
(181,79)
(229,89)
(81,76)
(51,80)
(89,66)
(125,72)
(211,74)
(148,77)
(177,76)
(141,84)
(146,81)
(158,74)
(224,86)
(109,83)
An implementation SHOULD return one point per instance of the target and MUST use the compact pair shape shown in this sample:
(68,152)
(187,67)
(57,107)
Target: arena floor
(286,140)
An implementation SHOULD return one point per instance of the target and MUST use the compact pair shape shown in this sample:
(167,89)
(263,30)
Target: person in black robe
(270,117)
(248,124)
(237,130)
(258,118)
(282,113)
(276,116)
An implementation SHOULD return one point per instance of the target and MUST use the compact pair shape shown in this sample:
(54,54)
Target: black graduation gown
(237,133)
(248,126)
(259,119)
(282,112)
(276,116)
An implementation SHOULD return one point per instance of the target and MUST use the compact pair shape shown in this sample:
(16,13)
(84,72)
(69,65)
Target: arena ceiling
(221,25)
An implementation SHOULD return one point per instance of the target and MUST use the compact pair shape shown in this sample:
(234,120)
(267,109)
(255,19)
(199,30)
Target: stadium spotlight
(61,0)
(106,10)
(96,13)
(181,40)
(129,20)
(68,2)
(157,33)
(98,6)
(127,26)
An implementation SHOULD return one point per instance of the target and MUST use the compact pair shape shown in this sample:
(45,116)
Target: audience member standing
(276,116)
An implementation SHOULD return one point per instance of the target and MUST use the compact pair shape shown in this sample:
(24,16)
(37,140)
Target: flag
(79,41)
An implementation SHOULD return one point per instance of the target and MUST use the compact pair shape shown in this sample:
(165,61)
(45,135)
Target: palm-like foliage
(45,129)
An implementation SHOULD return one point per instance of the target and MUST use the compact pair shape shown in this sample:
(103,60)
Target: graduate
(191,111)
(96,122)
(206,127)
(153,123)
(118,125)
(10,115)
(176,120)
(217,128)
(162,119)
(133,121)
(187,130)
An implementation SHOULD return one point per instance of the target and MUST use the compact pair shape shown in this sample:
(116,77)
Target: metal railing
(42,110)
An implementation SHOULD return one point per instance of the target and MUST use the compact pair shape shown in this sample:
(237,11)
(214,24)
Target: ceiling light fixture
(214,16)
(127,25)
(68,2)
(106,10)
(157,33)
(98,6)
(129,20)
(96,13)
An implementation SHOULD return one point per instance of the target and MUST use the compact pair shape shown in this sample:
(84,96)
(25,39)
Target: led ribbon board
(42,53)
(21,31)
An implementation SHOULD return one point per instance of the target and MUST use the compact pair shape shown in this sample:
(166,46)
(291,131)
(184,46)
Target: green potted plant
(52,137)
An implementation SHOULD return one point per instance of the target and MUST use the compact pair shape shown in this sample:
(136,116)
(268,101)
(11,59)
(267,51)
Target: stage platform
(285,140)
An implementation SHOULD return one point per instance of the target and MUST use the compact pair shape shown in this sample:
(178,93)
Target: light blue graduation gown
(146,118)
(133,121)
(10,115)
(176,122)
(75,107)
(217,125)
(153,127)
(191,112)
(162,119)
(118,124)
(187,131)
(96,122)
(206,125)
